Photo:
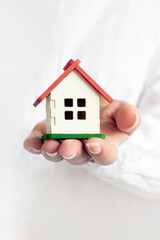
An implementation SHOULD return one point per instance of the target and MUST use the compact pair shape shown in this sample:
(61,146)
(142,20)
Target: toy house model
(73,105)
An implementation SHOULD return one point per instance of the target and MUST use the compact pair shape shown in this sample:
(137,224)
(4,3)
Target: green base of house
(72,136)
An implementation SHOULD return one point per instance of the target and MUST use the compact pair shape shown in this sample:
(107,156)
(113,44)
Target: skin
(118,121)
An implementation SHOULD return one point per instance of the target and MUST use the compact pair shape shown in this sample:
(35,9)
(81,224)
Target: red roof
(70,66)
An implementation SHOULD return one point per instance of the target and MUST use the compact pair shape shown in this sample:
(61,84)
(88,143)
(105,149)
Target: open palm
(118,121)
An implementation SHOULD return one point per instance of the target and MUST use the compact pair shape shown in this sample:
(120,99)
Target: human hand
(118,121)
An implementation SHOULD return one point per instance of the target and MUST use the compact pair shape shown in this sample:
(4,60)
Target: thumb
(128,118)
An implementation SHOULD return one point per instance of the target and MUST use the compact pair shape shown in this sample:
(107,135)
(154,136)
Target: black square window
(81,115)
(68,115)
(81,102)
(68,102)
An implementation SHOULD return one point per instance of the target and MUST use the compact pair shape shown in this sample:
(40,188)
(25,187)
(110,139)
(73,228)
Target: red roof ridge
(69,63)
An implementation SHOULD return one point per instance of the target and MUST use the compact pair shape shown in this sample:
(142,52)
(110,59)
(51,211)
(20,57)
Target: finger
(102,151)
(34,143)
(128,118)
(119,120)
(73,151)
(50,150)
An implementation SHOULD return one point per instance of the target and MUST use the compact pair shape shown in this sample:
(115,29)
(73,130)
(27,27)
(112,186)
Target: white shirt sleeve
(148,135)
(139,157)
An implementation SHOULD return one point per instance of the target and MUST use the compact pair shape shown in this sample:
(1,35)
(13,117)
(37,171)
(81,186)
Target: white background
(42,200)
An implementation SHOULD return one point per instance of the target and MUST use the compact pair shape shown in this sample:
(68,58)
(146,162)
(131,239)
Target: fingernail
(36,150)
(94,148)
(135,124)
(71,157)
(51,154)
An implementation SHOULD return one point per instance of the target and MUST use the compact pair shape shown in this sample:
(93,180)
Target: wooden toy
(73,105)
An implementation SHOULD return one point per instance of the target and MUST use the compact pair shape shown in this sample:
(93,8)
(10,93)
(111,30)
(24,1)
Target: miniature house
(73,105)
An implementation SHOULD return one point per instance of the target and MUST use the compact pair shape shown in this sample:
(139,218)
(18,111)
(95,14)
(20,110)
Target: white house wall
(48,114)
(73,86)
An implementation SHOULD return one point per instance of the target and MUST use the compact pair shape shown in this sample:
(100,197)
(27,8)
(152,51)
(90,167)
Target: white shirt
(118,43)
